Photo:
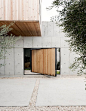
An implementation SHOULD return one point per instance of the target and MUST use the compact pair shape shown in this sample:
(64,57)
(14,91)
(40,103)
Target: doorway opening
(58,61)
(28,62)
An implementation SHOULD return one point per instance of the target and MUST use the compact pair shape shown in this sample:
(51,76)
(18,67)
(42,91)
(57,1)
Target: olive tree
(72,17)
(6,41)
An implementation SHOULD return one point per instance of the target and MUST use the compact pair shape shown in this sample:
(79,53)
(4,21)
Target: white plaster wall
(52,36)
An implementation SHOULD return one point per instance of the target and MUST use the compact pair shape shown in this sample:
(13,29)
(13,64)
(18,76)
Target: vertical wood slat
(53,62)
(19,9)
(35,5)
(8,5)
(0,9)
(37,9)
(8,12)
(49,61)
(32,60)
(24,9)
(21,13)
(5,3)
(37,61)
(4,9)
(27,9)
(43,61)
(11,10)
(34,9)
(14,10)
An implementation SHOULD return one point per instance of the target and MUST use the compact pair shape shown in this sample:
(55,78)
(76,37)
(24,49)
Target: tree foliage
(72,18)
(6,41)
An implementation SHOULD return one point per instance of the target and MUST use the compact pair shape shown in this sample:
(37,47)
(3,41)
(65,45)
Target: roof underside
(24,28)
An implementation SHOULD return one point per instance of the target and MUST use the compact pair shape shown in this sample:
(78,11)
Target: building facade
(52,36)
(35,34)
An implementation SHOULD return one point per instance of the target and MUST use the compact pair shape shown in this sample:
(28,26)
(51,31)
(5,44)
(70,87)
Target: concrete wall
(52,36)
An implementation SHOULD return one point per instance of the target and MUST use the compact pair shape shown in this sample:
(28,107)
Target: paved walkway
(62,91)
(16,92)
(53,94)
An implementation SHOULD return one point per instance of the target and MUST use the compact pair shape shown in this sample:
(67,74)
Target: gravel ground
(56,108)
(32,104)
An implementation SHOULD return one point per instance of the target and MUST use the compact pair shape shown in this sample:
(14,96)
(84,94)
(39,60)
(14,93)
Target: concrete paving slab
(61,91)
(16,92)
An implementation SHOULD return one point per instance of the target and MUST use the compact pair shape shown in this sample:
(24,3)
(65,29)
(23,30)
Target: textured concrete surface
(16,92)
(61,91)
(52,36)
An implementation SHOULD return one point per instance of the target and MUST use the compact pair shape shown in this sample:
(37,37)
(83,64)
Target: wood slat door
(44,61)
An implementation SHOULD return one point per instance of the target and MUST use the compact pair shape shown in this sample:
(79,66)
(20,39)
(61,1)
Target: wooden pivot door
(44,61)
